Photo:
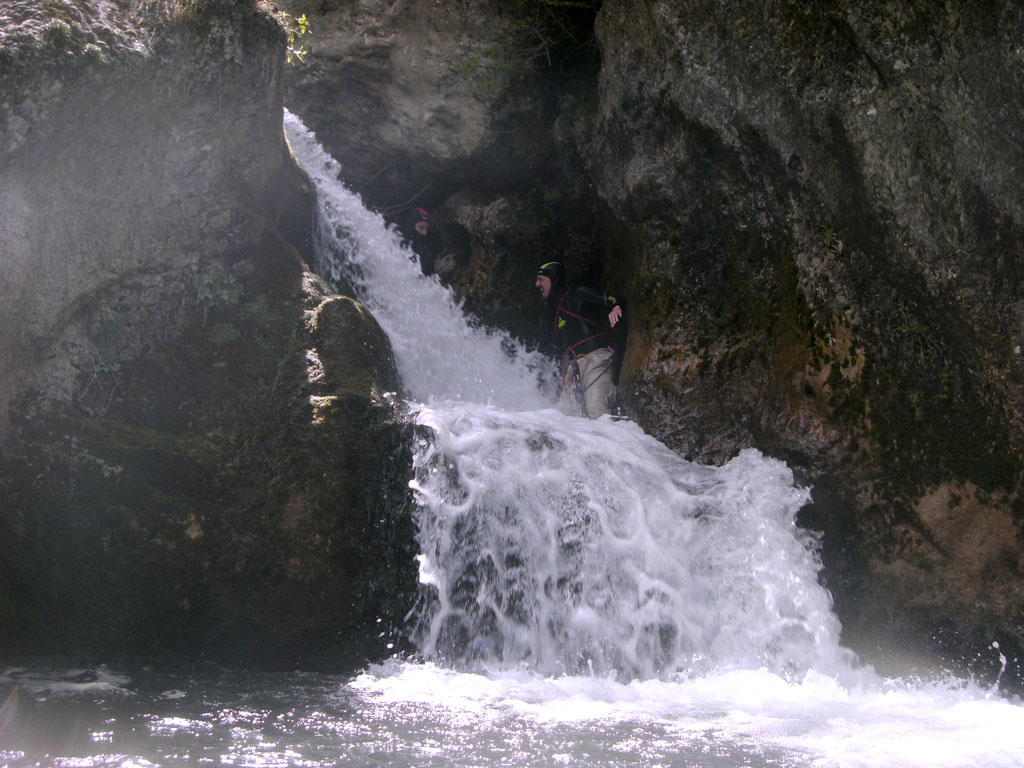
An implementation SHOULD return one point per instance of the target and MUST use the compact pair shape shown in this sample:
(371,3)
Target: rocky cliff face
(826,254)
(197,457)
(454,110)
(812,210)
(416,101)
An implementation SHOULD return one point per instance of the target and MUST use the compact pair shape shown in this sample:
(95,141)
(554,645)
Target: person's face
(544,284)
(422,227)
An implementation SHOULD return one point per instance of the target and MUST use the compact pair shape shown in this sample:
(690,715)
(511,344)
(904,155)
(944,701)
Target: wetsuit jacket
(424,247)
(577,320)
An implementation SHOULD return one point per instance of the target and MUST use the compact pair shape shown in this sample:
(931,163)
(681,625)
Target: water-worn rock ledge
(814,212)
(199,457)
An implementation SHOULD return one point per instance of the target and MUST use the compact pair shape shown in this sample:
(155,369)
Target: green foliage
(546,33)
(65,35)
(830,240)
(296,27)
(57,31)
(224,333)
(217,289)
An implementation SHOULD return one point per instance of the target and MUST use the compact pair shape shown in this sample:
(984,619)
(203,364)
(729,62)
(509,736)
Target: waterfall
(571,546)
(564,545)
(440,353)
(589,600)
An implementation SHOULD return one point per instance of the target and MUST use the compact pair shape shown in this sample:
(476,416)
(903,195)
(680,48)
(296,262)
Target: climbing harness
(570,372)
(572,350)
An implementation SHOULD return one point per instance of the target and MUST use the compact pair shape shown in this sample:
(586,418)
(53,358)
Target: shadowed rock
(199,458)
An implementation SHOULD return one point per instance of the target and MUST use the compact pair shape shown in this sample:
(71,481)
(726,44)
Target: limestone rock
(199,455)
(824,217)
(814,215)
(414,98)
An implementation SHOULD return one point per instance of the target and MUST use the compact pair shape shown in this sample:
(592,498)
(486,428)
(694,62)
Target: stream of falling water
(589,598)
(586,579)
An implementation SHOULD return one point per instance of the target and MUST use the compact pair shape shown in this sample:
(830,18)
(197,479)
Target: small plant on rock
(296,27)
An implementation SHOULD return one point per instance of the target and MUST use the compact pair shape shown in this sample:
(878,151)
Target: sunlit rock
(175,483)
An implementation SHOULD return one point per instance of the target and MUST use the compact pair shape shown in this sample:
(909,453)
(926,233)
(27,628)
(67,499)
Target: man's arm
(601,303)
(615,315)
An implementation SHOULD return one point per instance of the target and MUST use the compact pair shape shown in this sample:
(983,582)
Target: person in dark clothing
(418,237)
(583,328)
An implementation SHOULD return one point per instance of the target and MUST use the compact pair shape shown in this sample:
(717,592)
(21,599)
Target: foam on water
(744,717)
(65,682)
(402,714)
(579,578)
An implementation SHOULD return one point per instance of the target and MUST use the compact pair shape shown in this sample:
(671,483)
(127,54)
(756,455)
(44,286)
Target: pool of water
(414,714)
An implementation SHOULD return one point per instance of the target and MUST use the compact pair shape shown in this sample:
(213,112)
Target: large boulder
(200,454)
(416,100)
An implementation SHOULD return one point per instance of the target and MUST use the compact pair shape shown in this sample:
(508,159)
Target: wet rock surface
(813,214)
(823,265)
(815,218)
(200,455)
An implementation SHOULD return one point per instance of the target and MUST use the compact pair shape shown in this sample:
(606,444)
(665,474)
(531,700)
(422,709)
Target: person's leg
(570,400)
(596,381)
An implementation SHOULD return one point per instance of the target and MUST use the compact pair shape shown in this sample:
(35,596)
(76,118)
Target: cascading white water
(439,354)
(595,602)
(593,599)
(563,544)
(572,546)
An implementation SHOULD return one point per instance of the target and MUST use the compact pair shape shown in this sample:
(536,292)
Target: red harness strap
(572,350)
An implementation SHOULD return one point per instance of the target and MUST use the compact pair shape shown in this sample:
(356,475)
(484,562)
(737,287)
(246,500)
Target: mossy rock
(352,348)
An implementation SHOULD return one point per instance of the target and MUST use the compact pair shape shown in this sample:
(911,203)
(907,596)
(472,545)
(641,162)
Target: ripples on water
(410,714)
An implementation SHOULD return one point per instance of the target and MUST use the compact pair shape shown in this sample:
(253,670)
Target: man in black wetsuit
(418,236)
(578,325)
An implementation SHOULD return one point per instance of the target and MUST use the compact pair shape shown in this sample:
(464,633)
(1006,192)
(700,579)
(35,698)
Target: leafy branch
(546,29)
(296,27)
